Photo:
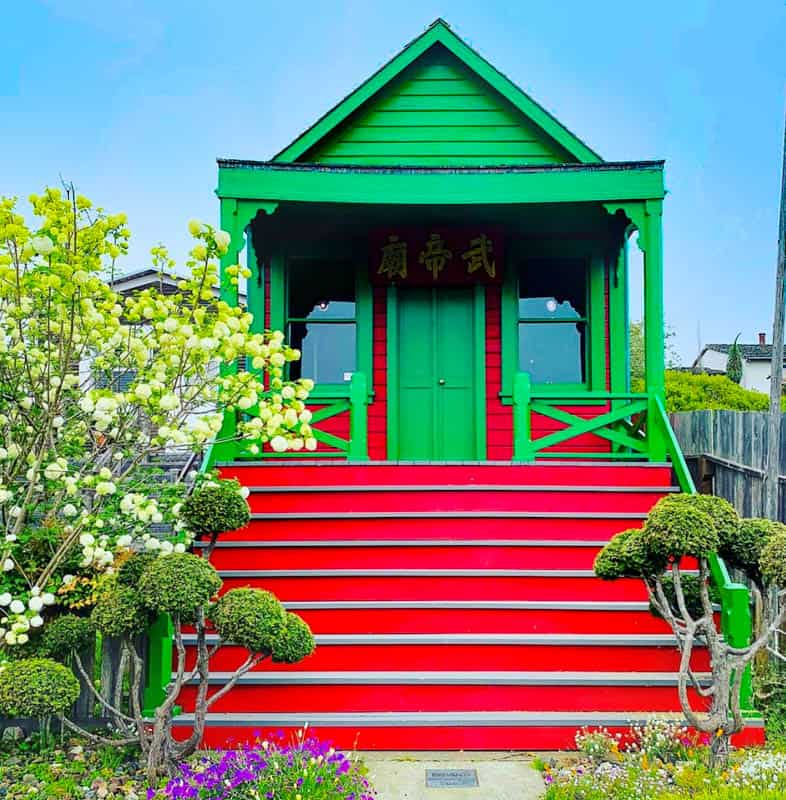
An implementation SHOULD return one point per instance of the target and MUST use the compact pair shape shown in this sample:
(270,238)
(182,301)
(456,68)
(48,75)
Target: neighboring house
(756,359)
(152,279)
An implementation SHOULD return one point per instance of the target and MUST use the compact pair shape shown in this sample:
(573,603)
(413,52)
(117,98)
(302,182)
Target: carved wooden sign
(436,257)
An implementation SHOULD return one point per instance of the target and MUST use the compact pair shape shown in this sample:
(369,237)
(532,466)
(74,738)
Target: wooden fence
(726,452)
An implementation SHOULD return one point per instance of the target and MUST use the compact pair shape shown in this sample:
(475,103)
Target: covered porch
(457,314)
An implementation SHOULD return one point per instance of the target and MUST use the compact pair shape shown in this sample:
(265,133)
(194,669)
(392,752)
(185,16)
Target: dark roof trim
(605,166)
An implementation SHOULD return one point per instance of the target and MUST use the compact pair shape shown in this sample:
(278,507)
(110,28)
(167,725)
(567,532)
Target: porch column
(235,218)
(651,244)
(224,445)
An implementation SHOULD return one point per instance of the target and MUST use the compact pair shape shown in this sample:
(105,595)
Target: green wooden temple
(452,262)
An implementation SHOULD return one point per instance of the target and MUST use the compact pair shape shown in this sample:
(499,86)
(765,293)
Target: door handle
(441,381)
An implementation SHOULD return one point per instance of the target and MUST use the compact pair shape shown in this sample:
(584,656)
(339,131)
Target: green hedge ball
(37,687)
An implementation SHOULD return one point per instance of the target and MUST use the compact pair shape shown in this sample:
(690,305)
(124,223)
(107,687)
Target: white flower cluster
(763,771)
(18,618)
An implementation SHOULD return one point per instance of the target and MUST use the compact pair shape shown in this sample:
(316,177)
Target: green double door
(437,375)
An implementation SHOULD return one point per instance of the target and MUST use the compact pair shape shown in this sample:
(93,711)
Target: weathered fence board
(727,449)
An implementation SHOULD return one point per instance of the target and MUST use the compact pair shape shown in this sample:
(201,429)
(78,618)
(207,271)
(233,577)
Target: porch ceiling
(271,183)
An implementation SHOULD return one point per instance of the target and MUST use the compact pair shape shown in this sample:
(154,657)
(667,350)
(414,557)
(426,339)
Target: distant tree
(734,363)
(637,357)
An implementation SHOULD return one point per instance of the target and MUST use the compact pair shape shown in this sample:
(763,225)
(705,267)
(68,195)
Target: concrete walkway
(501,776)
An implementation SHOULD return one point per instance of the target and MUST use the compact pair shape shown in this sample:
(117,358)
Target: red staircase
(454,606)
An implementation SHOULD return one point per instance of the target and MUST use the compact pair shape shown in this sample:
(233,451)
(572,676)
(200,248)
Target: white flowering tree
(94,386)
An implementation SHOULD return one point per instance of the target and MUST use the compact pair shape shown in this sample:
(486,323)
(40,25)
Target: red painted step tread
(349,501)
(430,588)
(471,657)
(546,473)
(596,529)
(442,620)
(347,698)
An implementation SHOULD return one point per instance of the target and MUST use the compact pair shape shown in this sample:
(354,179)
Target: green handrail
(736,620)
(158,662)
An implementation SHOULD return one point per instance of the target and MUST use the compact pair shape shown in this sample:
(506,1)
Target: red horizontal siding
(378,409)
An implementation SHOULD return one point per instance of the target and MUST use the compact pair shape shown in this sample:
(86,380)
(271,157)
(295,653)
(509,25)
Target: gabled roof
(439,33)
(750,352)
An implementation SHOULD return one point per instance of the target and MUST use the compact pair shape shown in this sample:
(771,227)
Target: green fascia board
(439,32)
(564,183)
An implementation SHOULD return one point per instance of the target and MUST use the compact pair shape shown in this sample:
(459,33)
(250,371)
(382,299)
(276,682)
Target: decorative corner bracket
(640,216)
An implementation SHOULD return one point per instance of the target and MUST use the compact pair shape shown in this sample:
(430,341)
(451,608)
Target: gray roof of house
(750,352)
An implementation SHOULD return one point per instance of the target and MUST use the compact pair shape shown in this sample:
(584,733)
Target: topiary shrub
(252,618)
(36,687)
(772,562)
(677,526)
(68,634)
(295,643)
(214,508)
(130,572)
(178,583)
(744,551)
(119,611)
(691,591)
(722,513)
(627,556)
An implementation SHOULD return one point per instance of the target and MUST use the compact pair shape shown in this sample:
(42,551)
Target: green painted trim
(330,439)
(327,412)
(509,319)
(596,311)
(329,391)
(615,436)
(522,434)
(479,321)
(255,295)
(278,292)
(229,221)
(593,397)
(158,664)
(392,374)
(596,352)
(441,186)
(438,32)
(590,425)
(651,242)
(363,319)
(364,325)
(358,421)
(618,323)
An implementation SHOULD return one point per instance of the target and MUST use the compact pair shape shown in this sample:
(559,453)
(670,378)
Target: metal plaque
(451,778)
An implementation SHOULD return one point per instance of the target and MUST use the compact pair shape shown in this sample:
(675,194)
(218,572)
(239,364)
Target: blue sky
(134,99)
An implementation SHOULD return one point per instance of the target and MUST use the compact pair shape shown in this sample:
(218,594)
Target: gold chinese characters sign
(436,257)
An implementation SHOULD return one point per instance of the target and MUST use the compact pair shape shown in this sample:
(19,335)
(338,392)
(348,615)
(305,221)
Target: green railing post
(158,666)
(522,392)
(358,417)
(651,242)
